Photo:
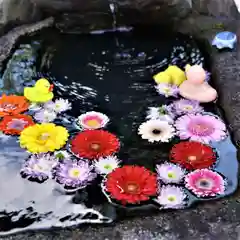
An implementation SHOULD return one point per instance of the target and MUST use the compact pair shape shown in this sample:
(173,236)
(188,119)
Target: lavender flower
(74,174)
(167,90)
(38,167)
(185,106)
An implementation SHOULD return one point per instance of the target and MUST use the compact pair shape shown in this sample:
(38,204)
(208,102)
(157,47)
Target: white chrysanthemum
(156,131)
(60,105)
(93,120)
(171,197)
(106,165)
(170,173)
(154,113)
(45,116)
(62,154)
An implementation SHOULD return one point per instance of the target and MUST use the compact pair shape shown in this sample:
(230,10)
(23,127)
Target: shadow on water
(96,74)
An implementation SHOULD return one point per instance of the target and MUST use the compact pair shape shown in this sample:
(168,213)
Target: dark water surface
(112,74)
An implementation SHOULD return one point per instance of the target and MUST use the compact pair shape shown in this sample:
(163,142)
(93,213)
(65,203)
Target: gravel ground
(213,220)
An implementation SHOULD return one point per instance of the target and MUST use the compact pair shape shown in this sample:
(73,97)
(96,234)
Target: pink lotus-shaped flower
(205,183)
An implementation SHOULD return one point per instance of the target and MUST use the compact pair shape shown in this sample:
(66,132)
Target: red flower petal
(193,155)
(93,144)
(131,184)
(15,124)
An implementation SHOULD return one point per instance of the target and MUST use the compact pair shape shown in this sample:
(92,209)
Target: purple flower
(168,90)
(185,106)
(38,167)
(200,128)
(74,174)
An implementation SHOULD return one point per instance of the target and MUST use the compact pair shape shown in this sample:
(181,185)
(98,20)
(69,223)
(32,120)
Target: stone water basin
(109,73)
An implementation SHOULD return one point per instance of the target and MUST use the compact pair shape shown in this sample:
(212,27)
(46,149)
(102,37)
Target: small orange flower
(12,104)
(15,124)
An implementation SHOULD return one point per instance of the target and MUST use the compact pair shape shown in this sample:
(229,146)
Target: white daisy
(93,120)
(159,113)
(170,173)
(60,105)
(62,154)
(106,165)
(45,116)
(171,197)
(156,131)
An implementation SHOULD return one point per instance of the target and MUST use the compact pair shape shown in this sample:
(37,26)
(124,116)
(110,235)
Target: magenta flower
(205,183)
(185,106)
(200,128)
(73,173)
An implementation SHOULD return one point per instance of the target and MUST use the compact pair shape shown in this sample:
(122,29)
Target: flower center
(17,124)
(204,184)
(167,90)
(93,123)
(44,168)
(156,131)
(74,173)
(57,106)
(171,175)
(188,108)
(43,136)
(95,146)
(108,167)
(200,128)
(192,158)
(171,198)
(132,188)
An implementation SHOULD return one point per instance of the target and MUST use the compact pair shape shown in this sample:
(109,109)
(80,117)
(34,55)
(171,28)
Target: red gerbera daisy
(15,124)
(93,144)
(131,184)
(193,155)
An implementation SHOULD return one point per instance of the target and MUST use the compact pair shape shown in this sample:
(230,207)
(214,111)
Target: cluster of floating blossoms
(75,161)
(192,160)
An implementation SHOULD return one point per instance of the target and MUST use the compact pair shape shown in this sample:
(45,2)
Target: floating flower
(185,106)
(106,165)
(58,106)
(93,144)
(93,120)
(62,155)
(41,138)
(156,131)
(131,184)
(193,155)
(38,167)
(35,107)
(170,173)
(74,174)
(171,197)
(205,183)
(159,113)
(167,90)
(45,116)
(12,105)
(15,124)
(201,128)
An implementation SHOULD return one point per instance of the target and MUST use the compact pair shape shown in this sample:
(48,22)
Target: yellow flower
(42,138)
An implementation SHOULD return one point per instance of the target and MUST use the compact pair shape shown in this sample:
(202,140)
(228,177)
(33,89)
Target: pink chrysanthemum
(205,183)
(200,128)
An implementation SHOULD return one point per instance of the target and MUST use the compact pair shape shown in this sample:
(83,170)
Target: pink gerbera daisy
(205,183)
(201,128)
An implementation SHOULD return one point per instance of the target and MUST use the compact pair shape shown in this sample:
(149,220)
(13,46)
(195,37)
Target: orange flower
(12,104)
(15,124)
